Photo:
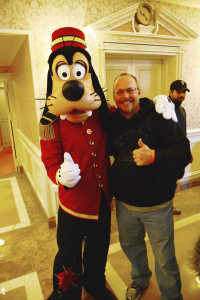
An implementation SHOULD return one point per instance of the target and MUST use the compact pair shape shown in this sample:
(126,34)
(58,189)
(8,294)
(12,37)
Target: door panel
(111,73)
(149,78)
(148,71)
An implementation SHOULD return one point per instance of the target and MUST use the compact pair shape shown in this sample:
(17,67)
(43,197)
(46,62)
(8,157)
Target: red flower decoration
(66,279)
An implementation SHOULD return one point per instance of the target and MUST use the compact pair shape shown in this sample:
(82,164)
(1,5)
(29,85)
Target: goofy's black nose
(73,90)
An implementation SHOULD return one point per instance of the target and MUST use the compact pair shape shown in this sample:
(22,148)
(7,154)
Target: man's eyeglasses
(129,91)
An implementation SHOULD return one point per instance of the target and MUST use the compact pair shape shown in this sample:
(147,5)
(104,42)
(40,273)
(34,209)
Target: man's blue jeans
(159,225)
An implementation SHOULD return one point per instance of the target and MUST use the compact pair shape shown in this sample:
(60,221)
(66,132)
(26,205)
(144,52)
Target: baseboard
(184,185)
(29,179)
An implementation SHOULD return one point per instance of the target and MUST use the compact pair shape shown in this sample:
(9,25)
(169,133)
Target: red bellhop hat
(67,36)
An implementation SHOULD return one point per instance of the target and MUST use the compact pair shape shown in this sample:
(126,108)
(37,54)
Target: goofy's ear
(46,128)
(49,84)
(96,83)
(47,117)
(103,109)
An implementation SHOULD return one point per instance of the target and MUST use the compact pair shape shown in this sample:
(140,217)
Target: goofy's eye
(63,71)
(78,71)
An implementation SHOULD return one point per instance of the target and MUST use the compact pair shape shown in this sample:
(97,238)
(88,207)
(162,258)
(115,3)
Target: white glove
(69,172)
(165,107)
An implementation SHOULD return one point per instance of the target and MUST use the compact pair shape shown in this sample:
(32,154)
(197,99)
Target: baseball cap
(179,86)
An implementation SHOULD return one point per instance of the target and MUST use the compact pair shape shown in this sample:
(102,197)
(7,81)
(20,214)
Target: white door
(149,75)
(148,71)
(111,73)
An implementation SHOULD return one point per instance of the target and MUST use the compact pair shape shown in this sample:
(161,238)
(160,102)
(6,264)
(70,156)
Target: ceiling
(9,46)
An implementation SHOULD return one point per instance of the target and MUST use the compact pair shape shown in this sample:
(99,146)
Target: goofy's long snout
(73,90)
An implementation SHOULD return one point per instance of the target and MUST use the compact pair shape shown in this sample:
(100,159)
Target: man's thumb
(140,143)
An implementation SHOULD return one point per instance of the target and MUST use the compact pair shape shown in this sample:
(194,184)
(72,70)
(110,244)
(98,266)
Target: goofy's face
(73,94)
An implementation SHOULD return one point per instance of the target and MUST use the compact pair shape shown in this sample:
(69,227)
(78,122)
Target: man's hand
(143,156)
(165,107)
(69,173)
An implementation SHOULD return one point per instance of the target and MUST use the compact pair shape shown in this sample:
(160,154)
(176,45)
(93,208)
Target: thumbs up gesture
(69,172)
(143,156)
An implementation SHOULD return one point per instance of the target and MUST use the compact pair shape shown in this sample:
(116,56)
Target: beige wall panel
(191,74)
(125,27)
(25,108)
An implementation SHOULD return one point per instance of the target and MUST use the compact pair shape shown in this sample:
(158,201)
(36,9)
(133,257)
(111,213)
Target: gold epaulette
(47,132)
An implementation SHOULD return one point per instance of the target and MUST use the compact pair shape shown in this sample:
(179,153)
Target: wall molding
(164,17)
(191,175)
(35,171)
(194,135)
(31,147)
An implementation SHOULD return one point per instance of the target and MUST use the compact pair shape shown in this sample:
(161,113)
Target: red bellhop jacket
(87,145)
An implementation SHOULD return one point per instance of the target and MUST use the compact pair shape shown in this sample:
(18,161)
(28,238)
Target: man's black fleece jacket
(153,184)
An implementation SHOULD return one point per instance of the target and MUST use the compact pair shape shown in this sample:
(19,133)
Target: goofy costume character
(74,152)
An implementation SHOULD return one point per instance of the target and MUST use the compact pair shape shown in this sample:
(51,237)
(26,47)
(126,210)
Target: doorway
(8,158)
(16,99)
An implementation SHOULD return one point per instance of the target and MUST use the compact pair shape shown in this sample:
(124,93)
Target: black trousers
(88,262)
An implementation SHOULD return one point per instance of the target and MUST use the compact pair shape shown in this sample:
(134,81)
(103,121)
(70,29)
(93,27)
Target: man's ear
(139,92)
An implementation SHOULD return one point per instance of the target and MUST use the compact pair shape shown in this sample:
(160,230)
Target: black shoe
(71,294)
(134,292)
(56,295)
(106,295)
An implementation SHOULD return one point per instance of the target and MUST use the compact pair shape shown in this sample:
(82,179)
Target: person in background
(149,154)
(177,93)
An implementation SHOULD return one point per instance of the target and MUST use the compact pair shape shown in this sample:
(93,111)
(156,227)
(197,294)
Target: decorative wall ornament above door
(144,19)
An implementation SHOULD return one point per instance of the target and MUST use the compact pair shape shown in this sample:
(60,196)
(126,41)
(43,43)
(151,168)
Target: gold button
(93,154)
(95,165)
(100,185)
(91,142)
(89,131)
(99,176)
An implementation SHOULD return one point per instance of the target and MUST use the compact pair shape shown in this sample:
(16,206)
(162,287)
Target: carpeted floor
(6,162)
